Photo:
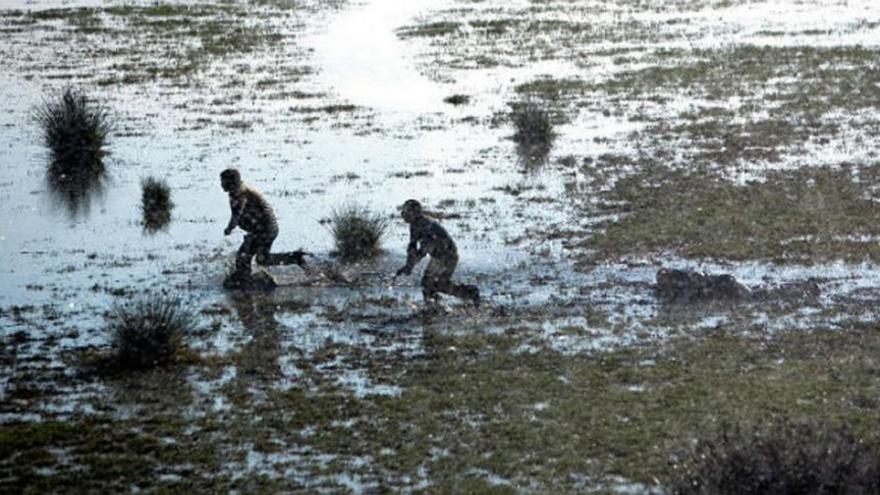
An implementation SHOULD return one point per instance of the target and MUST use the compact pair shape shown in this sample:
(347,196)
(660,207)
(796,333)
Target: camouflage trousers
(438,278)
(259,244)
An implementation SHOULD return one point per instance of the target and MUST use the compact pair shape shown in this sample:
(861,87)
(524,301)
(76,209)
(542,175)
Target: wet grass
(477,38)
(474,412)
(841,77)
(785,458)
(75,131)
(429,30)
(457,99)
(548,88)
(192,36)
(156,204)
(533,125)
(148,331)
(803,216)
(357,232)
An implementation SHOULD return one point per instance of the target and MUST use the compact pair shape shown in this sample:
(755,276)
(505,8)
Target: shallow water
(396,140)
(367,124)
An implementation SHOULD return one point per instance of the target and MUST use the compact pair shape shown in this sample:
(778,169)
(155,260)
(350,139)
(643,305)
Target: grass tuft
(75,131)
(148,332)
(533,126)
(357,232)
(807,458)
(156,204)
(457,99)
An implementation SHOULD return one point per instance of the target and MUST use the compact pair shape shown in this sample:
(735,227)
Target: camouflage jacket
(250,210)
(428,237)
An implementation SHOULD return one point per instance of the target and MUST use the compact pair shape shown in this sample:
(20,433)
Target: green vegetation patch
(429,30)
(175,40)
(88,454)
(805,80)
(474,409)
(726,140)
(803,216)
(462,38)
(549,88)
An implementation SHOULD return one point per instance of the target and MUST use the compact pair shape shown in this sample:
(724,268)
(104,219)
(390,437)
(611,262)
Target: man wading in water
(252,213)
(427,237)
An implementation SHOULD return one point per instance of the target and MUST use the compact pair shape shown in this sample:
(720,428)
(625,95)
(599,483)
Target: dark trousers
(438,278)
(257,244)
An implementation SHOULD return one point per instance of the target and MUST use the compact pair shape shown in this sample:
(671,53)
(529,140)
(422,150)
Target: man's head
(411,210)
(230,179)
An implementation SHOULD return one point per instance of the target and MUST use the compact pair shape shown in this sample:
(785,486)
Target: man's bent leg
(431,281)
(444,283)
(244,256)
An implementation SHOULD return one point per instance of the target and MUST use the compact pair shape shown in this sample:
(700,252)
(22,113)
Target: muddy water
(49,253)
(62,269)
(396,140)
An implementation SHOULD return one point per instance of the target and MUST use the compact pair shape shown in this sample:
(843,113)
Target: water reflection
(156,205)
(534,156)
(76,193)
(258,360)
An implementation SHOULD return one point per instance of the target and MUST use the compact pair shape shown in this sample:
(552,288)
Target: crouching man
(428,237)
(253,214)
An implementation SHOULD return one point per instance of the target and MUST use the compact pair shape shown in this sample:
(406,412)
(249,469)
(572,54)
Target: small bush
(780,460)
(457,99)
(75,131)
(149,331)
(357,232)
(156,204)
(533,126)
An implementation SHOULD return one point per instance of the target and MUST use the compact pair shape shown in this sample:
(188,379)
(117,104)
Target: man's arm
(414,252)
(236,204)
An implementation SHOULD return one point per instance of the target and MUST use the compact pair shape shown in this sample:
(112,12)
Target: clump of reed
(357,232)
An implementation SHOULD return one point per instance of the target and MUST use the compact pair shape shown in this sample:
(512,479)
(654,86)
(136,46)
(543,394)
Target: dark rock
(795,292)
(693,286)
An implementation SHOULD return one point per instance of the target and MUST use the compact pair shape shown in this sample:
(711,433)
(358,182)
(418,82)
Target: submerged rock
(693,286)
(794,292)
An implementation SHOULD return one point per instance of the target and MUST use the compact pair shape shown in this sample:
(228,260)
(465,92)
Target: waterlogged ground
(728,136)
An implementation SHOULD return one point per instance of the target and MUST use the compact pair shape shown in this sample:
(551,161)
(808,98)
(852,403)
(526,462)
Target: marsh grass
(841,78)
(457,99)
(201,34)
(429,30)
(471,403)
(533,125)
(804,216)
(75,132)
(156,204)
(548,89)
(148,331)
(780,459)
(357,232)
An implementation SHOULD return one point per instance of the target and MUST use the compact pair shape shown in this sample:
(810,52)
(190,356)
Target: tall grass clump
(156,204)
(784,459)
(357,232)
(148,331)
(534,128)
(75,131)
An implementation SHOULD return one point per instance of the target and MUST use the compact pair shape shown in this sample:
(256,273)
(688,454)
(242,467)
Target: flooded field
(725,136)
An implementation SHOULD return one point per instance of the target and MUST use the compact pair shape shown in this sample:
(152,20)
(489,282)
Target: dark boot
(474,295)
(237,280)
